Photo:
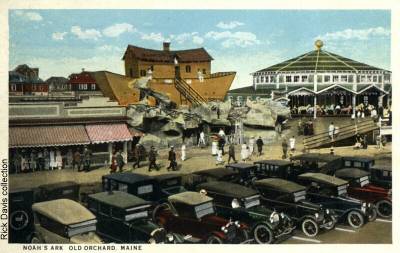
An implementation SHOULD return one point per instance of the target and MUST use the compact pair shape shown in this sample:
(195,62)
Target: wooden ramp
(349,131)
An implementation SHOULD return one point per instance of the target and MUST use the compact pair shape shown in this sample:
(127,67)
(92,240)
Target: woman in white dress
(243,152)
(58,160)
(183,152)
(52,160)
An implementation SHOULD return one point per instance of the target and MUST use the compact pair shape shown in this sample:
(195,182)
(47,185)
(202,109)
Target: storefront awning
(105,133)
(45,136)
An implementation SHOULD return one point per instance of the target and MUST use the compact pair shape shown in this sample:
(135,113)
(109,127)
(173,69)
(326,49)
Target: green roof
(190,198)
(279,185)
(228,189)
(323,178)
(320,61)
(119,199)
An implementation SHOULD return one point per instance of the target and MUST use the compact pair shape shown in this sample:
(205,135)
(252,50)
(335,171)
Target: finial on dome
(319,44)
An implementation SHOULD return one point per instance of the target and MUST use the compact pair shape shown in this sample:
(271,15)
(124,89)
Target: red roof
(42,136)
(108,133)
(189,55)
(83,77)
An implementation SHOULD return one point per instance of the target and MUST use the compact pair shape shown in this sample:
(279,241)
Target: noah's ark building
(320,79)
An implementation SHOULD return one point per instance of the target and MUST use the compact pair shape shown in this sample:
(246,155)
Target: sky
(61,42)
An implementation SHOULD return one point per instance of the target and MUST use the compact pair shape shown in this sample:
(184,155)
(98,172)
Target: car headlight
(224,229)
(237,224)
(274,217)
(316,215)
(364,204)
(170,238)
(327,211)
(235,203)
(282,215)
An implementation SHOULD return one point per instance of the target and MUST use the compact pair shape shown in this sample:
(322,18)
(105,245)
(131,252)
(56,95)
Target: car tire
(263,234)
(384,208)
(36,239)
(355,219)
(332,224)
(372,214)
(309,227)
(213,239)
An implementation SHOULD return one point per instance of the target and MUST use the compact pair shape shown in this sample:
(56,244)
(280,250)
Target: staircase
(188,92)
(323,139)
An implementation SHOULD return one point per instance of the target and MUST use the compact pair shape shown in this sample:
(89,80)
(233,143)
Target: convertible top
(353,173)
(279,185)
(129,178)
(323,178)
(275,162)
(190,198)
(64,211)
(240,166)
(216,172)
(316,157)
(54,186)
(228,189)
(358,158)
(119,199)
(167,176)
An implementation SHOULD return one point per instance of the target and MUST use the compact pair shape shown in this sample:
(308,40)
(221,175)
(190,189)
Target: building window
(369,78)
(327,79)
(343,78)
(351,79)
(258,79)
(311,78)
(281,79)
(335,79)
(204,71)
(296,79)
(319,78)
(130,72)
(375,79)
(379,79)
(13,87)
(288,79)
(267,79)
(272,79)
(363,79)
(143,72)
(262,79)
(93,86)
(386,77)
(83,86)
(366,100)
(303,79)
(188,69)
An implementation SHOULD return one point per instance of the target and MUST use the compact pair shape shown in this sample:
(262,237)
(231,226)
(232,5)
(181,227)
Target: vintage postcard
(128,124)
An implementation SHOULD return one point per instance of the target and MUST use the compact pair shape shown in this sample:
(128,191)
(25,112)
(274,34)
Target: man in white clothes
(202,140)
(183,152)
(221,133)
(219,158)
(200,76)
(331,130)
(292,143)
(251,145)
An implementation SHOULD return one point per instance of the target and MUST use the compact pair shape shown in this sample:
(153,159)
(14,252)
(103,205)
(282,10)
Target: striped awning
(45,136)
(105,133)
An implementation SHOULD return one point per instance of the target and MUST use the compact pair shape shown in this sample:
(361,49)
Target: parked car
(245,170)
(168,184)
(63,221)
(332,193)
(233,201)
(361,188)
(124,218)
(194,214)
(20,219)
(139,185)
(316,162)
(381,175)
(216,174)
(291,198)
(276,168)
(60,190)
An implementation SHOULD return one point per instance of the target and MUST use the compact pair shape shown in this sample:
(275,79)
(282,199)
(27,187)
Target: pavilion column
(315,96)
(354,104)
(125,150)
(110,150)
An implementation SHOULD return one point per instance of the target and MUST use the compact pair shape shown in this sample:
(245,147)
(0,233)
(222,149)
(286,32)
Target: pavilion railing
(359,127)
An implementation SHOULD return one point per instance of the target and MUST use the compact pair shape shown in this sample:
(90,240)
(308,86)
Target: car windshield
(204,209)
(145,189)
(81,228)
(301,195)
(342,190)
(252,201)
(137,213)
(363,181)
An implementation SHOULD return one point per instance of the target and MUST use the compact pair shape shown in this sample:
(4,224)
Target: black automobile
(139,185)
(124,218)
(291,198)
(316,162)
(246,172)
(233,201)
(361,162)
(381,175)
(64,190)
(275,168)
(168,184)
(20,219)
(216,174)
(332,193)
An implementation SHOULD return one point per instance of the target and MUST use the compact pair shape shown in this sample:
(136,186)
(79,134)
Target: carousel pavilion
(320,79)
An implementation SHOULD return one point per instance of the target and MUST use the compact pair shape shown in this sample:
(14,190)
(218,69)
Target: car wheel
(372,214)
(37,239)
(384,208)
(214,240)
(263,234)
(331,224)
(355,219)
(310,227)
